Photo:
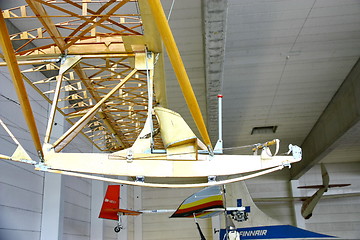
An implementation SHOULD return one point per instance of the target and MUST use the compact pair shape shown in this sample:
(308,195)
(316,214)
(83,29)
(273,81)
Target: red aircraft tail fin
(111,203)
(110,207)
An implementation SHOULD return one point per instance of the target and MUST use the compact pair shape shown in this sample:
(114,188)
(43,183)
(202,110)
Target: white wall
(20,202)
(77,207)
(130,220)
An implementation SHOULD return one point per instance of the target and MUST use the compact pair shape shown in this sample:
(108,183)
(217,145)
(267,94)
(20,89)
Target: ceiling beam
(91,26)
(340,117)
(49,25)
(215,18)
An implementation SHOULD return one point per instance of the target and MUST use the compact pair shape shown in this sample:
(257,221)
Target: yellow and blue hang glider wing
(203,204)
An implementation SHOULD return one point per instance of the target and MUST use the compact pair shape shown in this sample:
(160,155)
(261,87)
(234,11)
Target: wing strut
(202,237)
(67,63)
(179,69)
(15,73)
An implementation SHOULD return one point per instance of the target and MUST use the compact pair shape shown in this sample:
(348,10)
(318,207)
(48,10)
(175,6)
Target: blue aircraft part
(239,202)
(275,232)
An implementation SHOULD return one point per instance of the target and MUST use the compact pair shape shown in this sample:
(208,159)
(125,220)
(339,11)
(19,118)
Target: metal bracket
(149,54)
(218,147)
(286,164)
(41,167)
(129,156)
(41,156)
(68,62)
(140,179)
(296,151)
(211,178)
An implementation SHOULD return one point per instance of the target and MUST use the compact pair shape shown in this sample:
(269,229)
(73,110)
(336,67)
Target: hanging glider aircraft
(309,203)
(102,67)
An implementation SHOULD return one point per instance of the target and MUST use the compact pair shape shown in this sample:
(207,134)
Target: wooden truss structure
(102,63)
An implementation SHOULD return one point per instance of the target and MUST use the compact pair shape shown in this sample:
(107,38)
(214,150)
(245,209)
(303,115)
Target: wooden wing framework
(100,65)
(84,49)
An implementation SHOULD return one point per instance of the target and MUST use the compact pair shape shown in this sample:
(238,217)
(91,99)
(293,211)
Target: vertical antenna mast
(219,144)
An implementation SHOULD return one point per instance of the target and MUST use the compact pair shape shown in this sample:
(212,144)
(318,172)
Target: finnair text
(253,233)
